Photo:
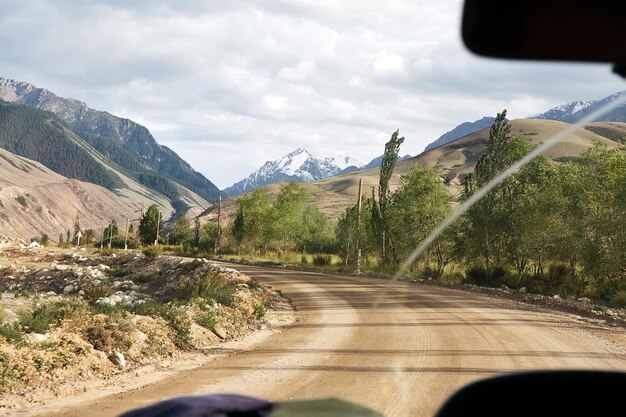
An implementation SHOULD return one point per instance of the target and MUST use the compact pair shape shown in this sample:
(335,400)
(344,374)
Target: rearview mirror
(559,30)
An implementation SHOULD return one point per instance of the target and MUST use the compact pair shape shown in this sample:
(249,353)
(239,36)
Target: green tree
(61,243)
(238,228)
(197,232)
(419,205)
(384,195)
(148,225)
(208,236)
(491,234)
(181,233)
(286,225)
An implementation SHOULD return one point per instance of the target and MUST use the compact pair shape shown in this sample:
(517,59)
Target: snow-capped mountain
(575,110)
(298,165)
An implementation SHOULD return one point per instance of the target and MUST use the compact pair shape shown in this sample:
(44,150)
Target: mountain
(299,166)
(123,142)
(42,136)
(454,160)
(461,130)
(36,200)
(573,111)
(375,163)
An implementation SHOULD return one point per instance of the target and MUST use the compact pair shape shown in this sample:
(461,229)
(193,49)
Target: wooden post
(156,241)
(357,238)
(126,235)
(111,233)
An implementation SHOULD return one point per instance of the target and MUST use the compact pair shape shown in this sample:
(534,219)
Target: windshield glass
(296,200)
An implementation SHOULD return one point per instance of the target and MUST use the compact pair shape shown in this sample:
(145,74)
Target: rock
(584,300)
(61,267)
(557,297)
(219,331)
(113,255)
(104,301)
(83,259)
(34,244)
(571,297)
(51,294)
(103,267)
(609,312)
(115,299)
(117,358)
(523,290)
(68,289)
(38,337)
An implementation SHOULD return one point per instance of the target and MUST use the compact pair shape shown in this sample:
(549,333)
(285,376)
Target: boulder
(117,358)
(219,331)
(523,290)
(584,300)
(61,267)
(68,289)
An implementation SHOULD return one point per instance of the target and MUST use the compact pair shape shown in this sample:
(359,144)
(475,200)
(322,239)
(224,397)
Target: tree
(181,233)
(68,235)
(131,228)
(386,171)
(111,230)
(88,236)
(419,205)
(287,215)
(491,232)
(197,232)
(150,222)
(61,240)
(238,228)
(208,236)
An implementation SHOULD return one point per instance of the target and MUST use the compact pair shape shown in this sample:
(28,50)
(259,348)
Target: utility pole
(156,241)
(111,233)
(216,247)
(357,246)
(126,235)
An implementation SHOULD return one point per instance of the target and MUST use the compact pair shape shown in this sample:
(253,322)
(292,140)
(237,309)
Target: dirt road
(398,348)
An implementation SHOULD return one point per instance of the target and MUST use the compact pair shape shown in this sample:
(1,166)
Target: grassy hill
(454,160)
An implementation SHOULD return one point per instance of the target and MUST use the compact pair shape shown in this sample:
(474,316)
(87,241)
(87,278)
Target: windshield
(296,200)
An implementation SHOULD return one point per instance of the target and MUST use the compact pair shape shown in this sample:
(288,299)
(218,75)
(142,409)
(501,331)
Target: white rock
(68,289)
(219,331)
(104,301)
(557,297)
(523,290)
(103,267)
(585,300)
(51,294)
(609,312)
(34,244)
(117,358)
(113,255)
(38,337)
(115,299)
(61,267)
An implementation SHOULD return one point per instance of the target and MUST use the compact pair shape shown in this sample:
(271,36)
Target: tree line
(553,227)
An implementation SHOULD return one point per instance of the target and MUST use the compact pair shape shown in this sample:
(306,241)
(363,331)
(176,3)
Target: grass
(209,287)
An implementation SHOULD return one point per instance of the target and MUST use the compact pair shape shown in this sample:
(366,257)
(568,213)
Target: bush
(322,260)
(304,260)
(92,292)
(618,299)
(152,251)
(557,274)
(478,275)
(259,311)
(43,316)
(12,333)
(209,287)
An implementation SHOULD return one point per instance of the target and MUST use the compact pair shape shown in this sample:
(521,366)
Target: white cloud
(229,84)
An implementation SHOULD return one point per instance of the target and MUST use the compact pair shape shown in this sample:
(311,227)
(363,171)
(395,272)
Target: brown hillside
(333,195)
(36,200)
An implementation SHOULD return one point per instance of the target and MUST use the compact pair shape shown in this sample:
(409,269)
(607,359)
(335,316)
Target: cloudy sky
(229,84)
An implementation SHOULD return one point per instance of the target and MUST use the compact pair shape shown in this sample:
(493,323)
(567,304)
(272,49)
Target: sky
(230,84)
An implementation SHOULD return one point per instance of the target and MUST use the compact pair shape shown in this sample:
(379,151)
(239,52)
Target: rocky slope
(123,142)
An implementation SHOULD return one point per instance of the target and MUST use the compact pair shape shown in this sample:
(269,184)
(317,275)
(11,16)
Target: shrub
(92,292)
(618,299)
(259,311)
(43,316)
(12,333)
(152,251)
(304,260)
(478,275)
(209,287)
(322,260)
(557,274)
